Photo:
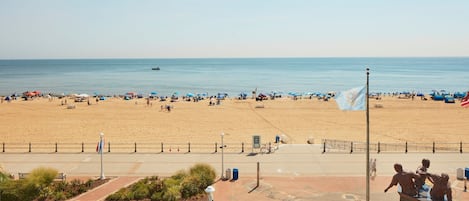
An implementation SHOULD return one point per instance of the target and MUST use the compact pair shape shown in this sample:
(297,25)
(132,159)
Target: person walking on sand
(405,180)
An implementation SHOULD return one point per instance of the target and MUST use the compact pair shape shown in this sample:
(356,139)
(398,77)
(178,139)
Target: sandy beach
(395,120)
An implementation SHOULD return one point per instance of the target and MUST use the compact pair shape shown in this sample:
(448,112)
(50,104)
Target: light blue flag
(353,99)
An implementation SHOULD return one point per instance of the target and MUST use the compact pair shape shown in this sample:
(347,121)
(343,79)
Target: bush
(189,187)
(182,185)
(172,193)
(42,176)
(59,196)
(140,191)
(37,184)
(204,175)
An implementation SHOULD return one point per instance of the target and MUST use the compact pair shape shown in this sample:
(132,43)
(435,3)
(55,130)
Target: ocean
(233,75)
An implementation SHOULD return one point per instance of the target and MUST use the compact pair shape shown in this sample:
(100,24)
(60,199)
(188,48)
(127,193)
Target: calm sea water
(232,76)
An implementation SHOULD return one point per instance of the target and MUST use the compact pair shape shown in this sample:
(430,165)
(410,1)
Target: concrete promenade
(305,164)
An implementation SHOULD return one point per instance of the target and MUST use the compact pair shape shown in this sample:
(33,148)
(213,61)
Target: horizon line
(282,57)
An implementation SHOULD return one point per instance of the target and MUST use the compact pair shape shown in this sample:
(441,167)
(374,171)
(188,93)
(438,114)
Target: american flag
(100,146)
(465,100)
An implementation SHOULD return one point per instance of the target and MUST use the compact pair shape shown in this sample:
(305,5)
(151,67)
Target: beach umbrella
(190,95)
(132,94)
(153,93)
(202,95)
(83,95)
(294,94)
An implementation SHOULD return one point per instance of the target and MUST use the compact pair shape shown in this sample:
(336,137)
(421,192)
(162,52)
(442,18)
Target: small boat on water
(156,68)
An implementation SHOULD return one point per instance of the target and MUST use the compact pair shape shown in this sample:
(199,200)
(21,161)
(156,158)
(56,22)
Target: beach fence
(133,147)
(330,145)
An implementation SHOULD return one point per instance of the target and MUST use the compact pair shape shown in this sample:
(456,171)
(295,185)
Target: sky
(57,29)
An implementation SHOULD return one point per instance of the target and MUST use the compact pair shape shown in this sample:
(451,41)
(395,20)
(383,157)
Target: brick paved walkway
(106,189)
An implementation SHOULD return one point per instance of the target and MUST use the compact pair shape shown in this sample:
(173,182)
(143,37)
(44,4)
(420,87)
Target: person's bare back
(441,187)
(405,180)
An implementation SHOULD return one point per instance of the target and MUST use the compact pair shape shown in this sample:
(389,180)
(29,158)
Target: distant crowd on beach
(216,99)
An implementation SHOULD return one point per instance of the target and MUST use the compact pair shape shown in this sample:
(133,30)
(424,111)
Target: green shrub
(181,185)
(140,190)
(189,187)
(172,193)
(59,196)
(204,175)
(180,175)
(119,195)
(42,176)
(10,190)
(157,196)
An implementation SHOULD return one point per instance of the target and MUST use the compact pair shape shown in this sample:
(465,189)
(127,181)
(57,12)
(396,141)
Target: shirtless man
(405,180)
(441,187)
(422,172)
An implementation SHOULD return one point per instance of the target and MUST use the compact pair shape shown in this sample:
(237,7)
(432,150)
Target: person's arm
(421,171)
(393,183)
(432,177)
(449,192)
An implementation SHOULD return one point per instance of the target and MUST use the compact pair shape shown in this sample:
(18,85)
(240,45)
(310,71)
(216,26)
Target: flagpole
(101,147)
(367,136)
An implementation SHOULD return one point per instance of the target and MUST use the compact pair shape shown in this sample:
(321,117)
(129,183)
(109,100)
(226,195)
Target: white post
(101,147)
(209,190)
(222,164)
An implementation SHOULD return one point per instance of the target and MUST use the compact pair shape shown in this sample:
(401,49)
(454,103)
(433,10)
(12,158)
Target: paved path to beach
(294,172)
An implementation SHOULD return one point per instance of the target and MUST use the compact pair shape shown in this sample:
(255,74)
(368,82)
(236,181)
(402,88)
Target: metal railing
(87,147)
(329,145)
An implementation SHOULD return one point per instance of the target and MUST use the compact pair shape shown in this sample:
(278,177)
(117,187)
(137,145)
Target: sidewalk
(294,172)
(323,188)
(101,192)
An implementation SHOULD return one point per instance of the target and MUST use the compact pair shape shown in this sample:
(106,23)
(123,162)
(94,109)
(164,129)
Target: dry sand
(398,120)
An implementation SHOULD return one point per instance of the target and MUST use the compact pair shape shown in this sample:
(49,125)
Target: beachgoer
(168,107)
(405,180)
(441,187)
(373,167)
(422,172)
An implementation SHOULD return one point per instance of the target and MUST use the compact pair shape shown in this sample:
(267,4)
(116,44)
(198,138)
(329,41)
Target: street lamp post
(222,154)
(101,147)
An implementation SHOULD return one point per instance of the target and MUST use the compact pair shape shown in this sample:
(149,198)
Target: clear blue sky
(32,29)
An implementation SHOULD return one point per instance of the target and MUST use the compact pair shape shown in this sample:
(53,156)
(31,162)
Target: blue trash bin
(235,173)
(466,173)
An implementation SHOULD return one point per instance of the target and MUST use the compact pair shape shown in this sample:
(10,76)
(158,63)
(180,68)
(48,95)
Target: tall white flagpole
(101,147)
(367,136)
